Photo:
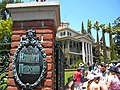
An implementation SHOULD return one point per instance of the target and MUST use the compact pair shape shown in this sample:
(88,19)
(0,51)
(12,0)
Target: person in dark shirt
(83,72)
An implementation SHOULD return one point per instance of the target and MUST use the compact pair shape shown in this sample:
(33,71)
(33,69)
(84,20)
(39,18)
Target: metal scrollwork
(29,62)
(4,61)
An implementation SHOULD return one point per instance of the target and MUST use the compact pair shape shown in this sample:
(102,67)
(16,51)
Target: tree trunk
(111,45)
(98,47)
(104,45)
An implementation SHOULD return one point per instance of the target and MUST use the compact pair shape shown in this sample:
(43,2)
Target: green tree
(96,27)
(83,29)
(116,24)
(5,28)
(116,28)
(109,30)
(89,26)
(4,12)
(102,26)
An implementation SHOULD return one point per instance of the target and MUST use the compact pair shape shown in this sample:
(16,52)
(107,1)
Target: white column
(83,52)
(63,47)
(76,58)
(68,46)
(71,58)
(86,54)
(91,54)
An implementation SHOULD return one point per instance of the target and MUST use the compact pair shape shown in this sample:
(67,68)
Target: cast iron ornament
(29,62)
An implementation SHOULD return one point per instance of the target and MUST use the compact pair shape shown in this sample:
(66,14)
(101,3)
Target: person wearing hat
(114,80)
(81,65)
(77,79)
(104,74)
(118,65)
(95,83)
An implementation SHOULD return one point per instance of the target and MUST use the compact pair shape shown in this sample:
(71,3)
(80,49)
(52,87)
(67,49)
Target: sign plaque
(29,62)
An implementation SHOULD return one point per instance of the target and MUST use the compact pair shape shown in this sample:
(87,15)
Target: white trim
(32,4)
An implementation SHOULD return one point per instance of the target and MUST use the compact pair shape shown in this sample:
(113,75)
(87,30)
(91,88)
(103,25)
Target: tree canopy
(5,28)
(3,10)
(116,24)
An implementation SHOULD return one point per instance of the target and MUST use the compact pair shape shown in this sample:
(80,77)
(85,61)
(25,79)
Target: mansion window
(64,46)
(61,34)
(64,33)
(70,44)
(74,44)
(68,33)
(77,46)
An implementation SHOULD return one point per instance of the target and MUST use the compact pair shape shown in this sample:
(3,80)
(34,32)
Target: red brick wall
(45,29)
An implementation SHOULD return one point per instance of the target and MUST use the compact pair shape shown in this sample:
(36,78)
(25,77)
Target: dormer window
(68,34)
(65,25)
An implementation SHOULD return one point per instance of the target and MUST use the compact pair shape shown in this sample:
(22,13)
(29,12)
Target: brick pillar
(44,18)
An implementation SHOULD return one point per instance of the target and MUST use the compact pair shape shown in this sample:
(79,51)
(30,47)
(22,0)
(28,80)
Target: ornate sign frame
(30,40)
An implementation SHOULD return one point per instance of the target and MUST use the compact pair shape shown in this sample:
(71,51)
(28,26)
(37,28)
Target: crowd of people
(98,77)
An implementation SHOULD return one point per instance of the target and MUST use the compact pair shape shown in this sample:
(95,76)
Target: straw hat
(81,64)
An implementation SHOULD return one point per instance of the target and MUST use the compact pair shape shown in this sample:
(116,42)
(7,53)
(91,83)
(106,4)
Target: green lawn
(67,75)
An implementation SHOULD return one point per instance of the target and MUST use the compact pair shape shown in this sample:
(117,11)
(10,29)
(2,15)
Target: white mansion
(75,45)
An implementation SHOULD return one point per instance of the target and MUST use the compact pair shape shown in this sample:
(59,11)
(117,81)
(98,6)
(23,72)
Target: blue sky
(76,11)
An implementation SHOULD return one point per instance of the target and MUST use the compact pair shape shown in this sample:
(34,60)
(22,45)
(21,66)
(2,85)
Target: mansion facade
(75,45)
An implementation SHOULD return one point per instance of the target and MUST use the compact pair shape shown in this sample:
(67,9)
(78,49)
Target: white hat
(81,64)
(90,77)
(118,65)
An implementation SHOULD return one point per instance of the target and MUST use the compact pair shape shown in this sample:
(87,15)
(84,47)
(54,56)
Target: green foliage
(2,75)
(3,86)
(96,25)
(3,79)
(76,65)
(4,12)
(101,58)
(67,75)
(89,26)
(103,27)
(116,29)
(83,29)
(5,28)
(116,24)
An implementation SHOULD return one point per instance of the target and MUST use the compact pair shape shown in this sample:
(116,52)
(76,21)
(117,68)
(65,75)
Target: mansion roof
(76,35)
